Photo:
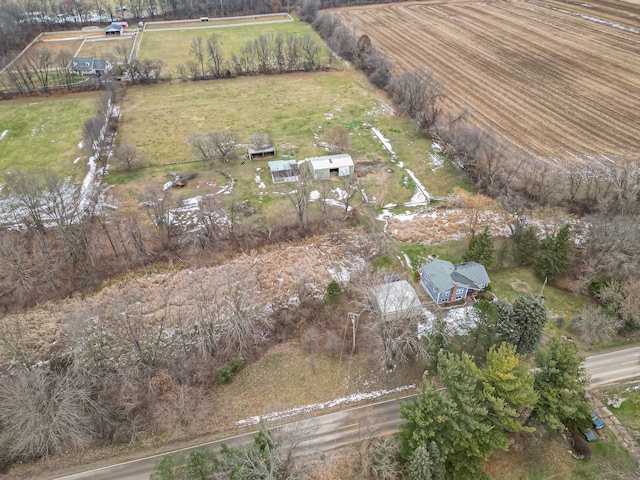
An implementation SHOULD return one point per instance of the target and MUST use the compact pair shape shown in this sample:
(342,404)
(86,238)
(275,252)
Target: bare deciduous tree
(215,145)
(596,326)
(260,140)
(338,139)
(394,320)
(241,323)
(419,95)
(156,203)
(299,197)
(40,412)
(197,49)
(127,157)
(214,53)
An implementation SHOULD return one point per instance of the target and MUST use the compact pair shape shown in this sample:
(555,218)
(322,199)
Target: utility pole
(354,326)
(542,289)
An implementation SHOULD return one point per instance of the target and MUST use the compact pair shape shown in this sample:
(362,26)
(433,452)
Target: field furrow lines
(558,79)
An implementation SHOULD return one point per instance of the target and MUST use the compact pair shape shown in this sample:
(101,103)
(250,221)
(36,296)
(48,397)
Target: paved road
(614,367)
(319,434)
(335,430)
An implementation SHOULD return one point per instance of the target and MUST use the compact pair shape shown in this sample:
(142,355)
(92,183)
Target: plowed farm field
(559,79)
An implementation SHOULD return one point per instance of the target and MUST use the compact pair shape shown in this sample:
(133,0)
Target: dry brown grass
(55,47)
(289,378)
(105,48)
(457,218)
(218,22)
(272,276)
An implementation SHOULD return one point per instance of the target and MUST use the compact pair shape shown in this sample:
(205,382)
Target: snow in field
(342,273)
(356,397)
(385,142)
(340,194)
(436,157)
(259,181)
(457,321)
(420,196)
(3,134)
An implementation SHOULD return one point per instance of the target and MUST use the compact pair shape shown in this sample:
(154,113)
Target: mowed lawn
(45,132)
(173,46)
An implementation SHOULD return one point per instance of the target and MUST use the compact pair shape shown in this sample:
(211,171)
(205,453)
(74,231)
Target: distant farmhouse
(115,29)
(89,66)
(283,171)
(446,282)
(321,168)
(261,152)
(396,300)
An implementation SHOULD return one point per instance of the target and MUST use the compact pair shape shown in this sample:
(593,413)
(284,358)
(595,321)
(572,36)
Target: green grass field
(292,109)
(551,459)
(173,46)
(629,411)
(506,283)
(45,132)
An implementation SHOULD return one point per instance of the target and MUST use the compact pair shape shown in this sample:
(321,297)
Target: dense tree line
(265,54)
(468,419)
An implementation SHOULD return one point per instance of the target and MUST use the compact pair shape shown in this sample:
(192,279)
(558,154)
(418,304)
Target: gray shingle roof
(443,275)
(439,274)
(472,274)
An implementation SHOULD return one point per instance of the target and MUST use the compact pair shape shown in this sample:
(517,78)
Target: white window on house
(458,297)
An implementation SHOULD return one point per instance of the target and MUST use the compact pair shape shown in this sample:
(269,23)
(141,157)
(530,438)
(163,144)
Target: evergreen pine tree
(509,387)
(528,318)
(525,246)
(437,470)
(552,262)
(421,465)
(481,248)
(561,382)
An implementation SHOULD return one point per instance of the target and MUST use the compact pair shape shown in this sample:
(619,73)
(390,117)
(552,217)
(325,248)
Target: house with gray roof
(89,66)
(115,29)
(284,171)
(448,283)
(395,300)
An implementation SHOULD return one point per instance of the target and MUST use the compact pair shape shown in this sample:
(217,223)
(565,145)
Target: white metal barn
(321,168)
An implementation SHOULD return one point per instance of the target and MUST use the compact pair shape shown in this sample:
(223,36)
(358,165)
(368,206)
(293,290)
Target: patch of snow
(407,260)
(3,134)
(421,196)
(259,181)
(167,185)
(81,144)
(314,195)
(77,160)
(342,272)
(385,142)
(356,397)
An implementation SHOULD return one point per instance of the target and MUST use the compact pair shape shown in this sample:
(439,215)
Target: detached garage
(322,168)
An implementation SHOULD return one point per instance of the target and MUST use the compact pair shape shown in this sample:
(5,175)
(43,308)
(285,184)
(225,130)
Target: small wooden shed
(267,152)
